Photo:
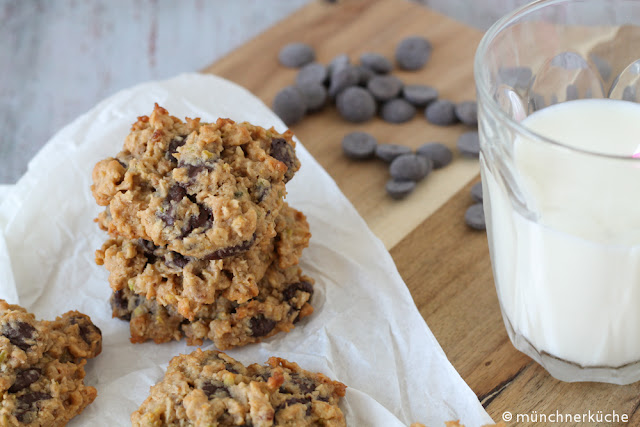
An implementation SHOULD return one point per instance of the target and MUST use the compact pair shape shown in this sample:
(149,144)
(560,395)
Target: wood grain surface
(445,264)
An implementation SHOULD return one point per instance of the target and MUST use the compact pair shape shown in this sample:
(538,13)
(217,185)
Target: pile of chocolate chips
(360,91)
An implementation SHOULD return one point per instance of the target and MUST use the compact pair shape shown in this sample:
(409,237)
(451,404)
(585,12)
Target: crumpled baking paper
(365,332)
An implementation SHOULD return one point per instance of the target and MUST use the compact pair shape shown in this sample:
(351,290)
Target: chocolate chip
(474,217)
(419,95)
(305,385)
(25,403)
(602,65)
(376,62)
(399,189)
(231,250)
(289,105)
(467,112)
(412,53)
(295,55)
(24,379)
(261,326)
(147,246)
(356,104)
(441,113)
(175,260)
(177,142)
(314,94)
(294,401)
(166,215)
(572,92)
(439,154)
(229,367)
(366,74)
(85,328)
(18,332)
(176,193)
(204,217)
(211,389)
(343,78)
(469,144)
(388,152)
(516,77)
(569,61)
(629,93)
(118,300)
(397,111)
(338,62)
(312,73)
(291,290)
(260,190)
(409,167)
(283,151)
(384,88)
(476,192)
(193,171)
(359,145)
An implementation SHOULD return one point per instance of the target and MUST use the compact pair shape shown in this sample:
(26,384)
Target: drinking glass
(566,256)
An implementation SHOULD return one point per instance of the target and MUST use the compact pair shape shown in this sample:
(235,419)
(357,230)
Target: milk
(566,248)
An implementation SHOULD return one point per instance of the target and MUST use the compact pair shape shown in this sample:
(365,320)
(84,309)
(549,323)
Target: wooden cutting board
(445,264)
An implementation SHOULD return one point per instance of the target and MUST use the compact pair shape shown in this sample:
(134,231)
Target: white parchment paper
(365,332)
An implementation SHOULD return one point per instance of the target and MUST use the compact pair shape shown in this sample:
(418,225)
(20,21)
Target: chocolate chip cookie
(203,190)
(283,300)
(211,388)
(186,283)
(42,366)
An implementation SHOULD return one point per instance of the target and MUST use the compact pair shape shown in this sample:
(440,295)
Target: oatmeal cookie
(203,190)
(185,282)
(282,301)
(42,366)
(210,388)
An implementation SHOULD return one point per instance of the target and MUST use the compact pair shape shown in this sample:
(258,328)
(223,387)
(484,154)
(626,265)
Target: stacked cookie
(202,243)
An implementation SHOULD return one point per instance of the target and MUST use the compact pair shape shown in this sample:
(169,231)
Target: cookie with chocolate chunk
(211,388)
(203,190)
(186,283)
(42,366)
(283,300)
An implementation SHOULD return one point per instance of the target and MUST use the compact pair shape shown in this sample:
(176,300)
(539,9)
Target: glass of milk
(559,128)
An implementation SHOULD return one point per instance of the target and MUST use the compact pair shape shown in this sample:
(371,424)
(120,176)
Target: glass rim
(485,97)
